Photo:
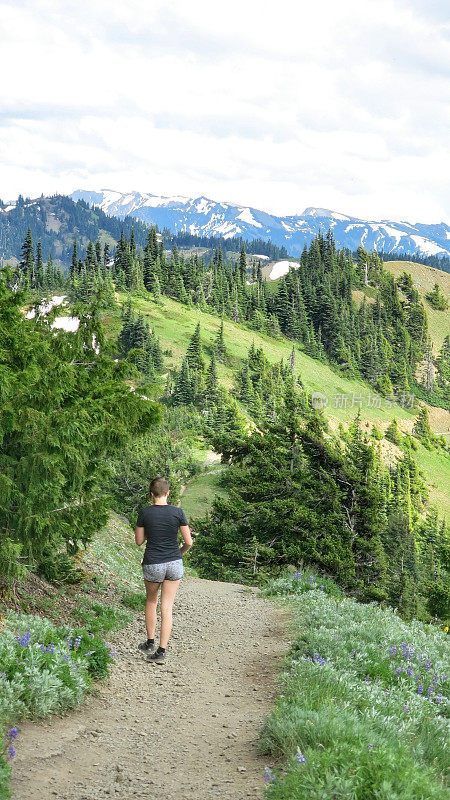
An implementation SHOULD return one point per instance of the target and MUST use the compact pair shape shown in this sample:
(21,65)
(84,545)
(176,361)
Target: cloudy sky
(343,105)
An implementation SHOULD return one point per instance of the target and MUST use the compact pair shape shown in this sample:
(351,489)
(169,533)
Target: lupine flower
(13,734)
(367,679)
(409,671)
(48,649)
(406,709)
(429,691)
(369,746)
(438,698)
(269,777)
(311,579)
(69,641)
(353,652)
(24,640)
(398,671)
(11,752)
(300,757)
(420,689)
(321,588)
(393,650)
(77,642)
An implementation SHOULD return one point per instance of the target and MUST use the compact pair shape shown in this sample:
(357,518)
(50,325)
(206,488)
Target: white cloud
(340,105)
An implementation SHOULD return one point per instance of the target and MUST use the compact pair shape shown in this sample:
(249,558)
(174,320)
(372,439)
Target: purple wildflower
(420,689)
(398,671)
(311,579)
(321,588)
(367,679)
(300,757)
(438,698)
(24,640)
(406,709)
(429,692)
(13,734)
(409,671)
(269,777)
(11,752)
(392,650)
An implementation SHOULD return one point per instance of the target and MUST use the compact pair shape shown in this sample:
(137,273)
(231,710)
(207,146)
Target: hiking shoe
(146,647)
(157,658)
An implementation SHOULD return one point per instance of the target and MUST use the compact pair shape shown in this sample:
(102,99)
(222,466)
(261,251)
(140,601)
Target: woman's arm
(139,535)
(187,538)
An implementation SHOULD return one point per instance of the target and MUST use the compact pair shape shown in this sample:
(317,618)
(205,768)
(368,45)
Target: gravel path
(187,728)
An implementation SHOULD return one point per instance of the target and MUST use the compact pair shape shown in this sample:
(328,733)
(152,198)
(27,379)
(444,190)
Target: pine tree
(194,351)
(183,392)
(73,269)
(39,265)
(393,434)
(243,265)
(67,410)
(27,258)
(422,430)
(220,348)
(211,387)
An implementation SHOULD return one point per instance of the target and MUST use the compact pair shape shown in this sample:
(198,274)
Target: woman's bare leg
(168,592)
(152,590)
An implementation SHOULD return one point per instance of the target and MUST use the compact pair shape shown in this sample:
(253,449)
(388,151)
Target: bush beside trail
(364,704)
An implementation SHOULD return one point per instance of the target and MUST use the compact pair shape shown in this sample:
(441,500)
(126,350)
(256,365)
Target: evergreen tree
(27,259)
(422,430)
(220,349)
(393,434)
(194,352)
(66,409)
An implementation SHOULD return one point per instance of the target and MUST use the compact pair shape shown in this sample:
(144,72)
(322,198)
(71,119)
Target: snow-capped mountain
(206,217)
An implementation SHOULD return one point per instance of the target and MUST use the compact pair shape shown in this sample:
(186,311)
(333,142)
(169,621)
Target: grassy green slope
(174,323)
(424,279)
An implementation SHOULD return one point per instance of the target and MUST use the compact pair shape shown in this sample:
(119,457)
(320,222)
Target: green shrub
(299,582)
(5,770)
(134,600)
(364,706)
(99,618)
(46,669)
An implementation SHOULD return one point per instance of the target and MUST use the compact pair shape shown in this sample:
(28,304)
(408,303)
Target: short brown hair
(159,487)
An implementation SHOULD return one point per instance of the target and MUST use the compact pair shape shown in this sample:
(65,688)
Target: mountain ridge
(205,217)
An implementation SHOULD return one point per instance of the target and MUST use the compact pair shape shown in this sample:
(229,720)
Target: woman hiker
(162,565)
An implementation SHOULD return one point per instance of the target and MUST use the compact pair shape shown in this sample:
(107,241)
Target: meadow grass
(201,490)
(363,710)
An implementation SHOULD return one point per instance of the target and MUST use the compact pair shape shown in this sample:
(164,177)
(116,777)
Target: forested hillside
(256,392)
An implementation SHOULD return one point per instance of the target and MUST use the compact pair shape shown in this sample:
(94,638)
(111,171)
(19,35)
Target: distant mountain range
(204,217)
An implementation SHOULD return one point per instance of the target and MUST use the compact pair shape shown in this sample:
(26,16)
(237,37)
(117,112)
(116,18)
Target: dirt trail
(187,729)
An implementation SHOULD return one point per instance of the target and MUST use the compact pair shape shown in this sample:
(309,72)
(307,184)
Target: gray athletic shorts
(167,571)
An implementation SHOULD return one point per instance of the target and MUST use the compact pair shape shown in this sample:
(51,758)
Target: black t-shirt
(161,525)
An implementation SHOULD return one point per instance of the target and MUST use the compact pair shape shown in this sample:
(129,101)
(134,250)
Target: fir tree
(220,348)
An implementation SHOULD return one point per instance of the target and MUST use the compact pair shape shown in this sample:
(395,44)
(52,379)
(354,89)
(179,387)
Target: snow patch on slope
(281,268)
